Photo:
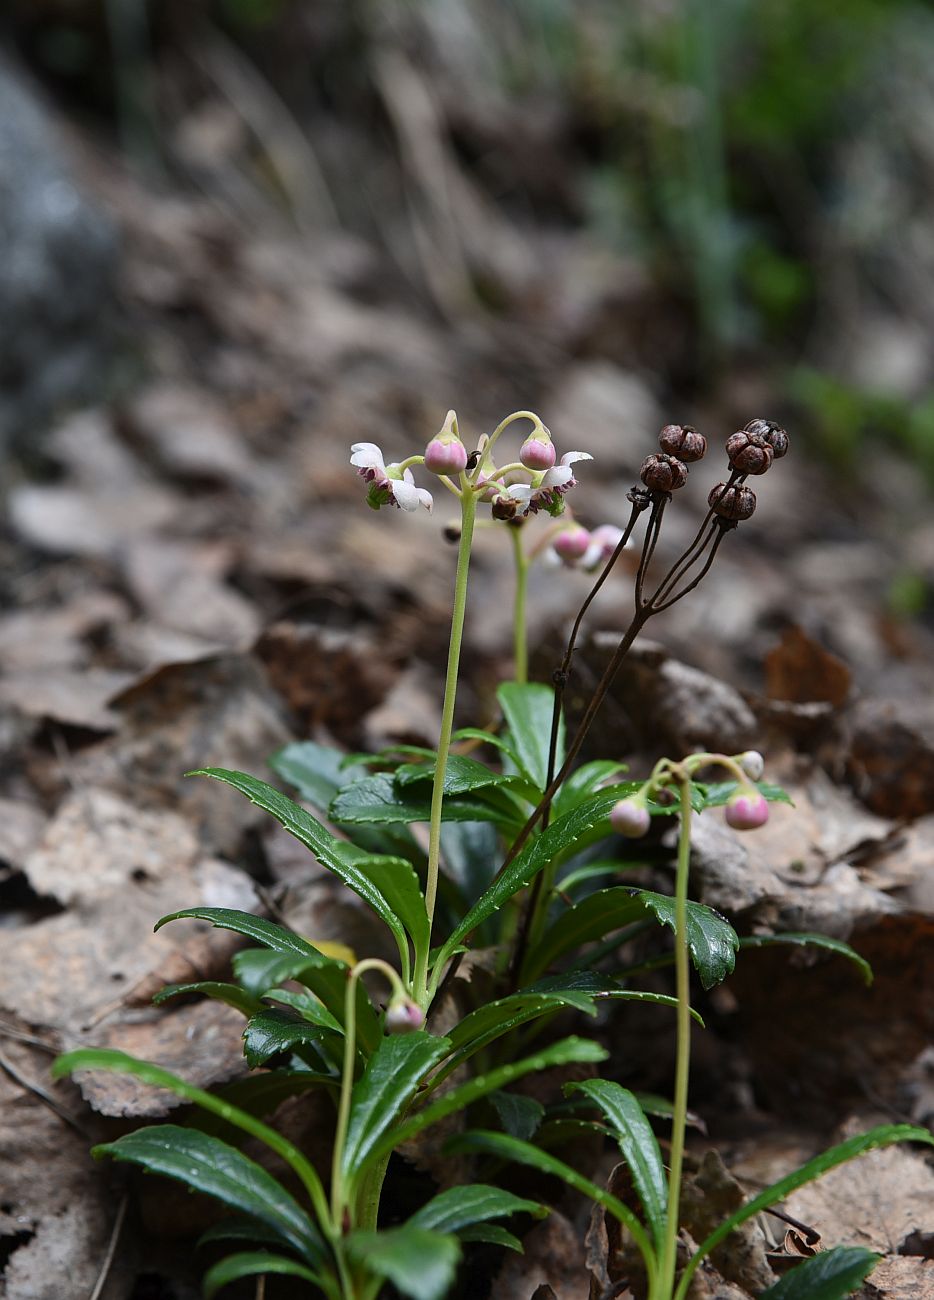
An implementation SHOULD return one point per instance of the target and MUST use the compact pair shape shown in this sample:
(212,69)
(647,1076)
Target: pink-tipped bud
(752,763)
(538,452)
(747,810)
(446,454)
(403,1016)
(572,543)
(630,818)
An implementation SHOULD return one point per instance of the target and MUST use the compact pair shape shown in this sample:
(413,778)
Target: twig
(111,1248)
(46,1097)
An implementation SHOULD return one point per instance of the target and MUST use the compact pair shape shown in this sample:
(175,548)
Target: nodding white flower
(603,542)
(546,491)
(389,484)
(571,544)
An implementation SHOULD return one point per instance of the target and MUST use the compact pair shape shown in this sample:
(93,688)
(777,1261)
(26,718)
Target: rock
(57,253)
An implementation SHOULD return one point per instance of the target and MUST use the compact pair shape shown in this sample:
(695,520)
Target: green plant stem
(468,517)
(519,639)
(683,1057)
(338,1199)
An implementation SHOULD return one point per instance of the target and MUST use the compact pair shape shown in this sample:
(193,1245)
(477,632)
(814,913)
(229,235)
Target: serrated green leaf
(717,793)
(105,1058)
(486,738)
(231,994)
(469,852)
(419,1263)
(253,1264)
(460,1207)
(384,1090)
(271,1031)
(565,1052)
(388,885)
(711,939)
(528,711)
(462,775)
(883,1135)
(599,914)
(520,1116)
(258,928)
(639,1147)
(510,1148)
(375,801)
(494,1019)
(811,941)
(828,1276)
(208,1165)
(588,821)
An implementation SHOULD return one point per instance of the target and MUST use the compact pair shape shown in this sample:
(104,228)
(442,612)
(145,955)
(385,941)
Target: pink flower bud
(747,810)
(630,818)
(403,1016)
(446,454)
(752,763)
(572,543)
(537,453)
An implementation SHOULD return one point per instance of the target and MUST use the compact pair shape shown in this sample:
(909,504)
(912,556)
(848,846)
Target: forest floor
(192,578)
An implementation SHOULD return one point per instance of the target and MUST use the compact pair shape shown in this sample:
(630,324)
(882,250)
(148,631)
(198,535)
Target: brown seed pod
(732,501)
(663,473)
(504,507)
(771,433)
(748,453)
(683,441)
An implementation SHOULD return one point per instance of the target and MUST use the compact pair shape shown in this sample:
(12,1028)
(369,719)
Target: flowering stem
(504,424)
(338,1191)
(520,645)
(683,1057)
(468,516)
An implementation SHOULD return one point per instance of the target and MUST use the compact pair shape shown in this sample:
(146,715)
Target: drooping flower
(538,451)
(547,490)
(603,542)
(403,1016)
(571,544)
(752,763)
(389,484)
(631,818)
(747,809)
(446,454)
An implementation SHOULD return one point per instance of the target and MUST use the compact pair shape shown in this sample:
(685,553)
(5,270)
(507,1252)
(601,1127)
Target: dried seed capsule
(663,473)
(639,496)
(732,501)
(748,453)
(683,441)
(771,433)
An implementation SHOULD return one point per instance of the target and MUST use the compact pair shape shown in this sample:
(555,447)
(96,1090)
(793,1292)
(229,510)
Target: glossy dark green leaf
(493,1234)
(253,1264)
(470,854)
(384,1090)
(828,1276)
(211,1166)
(486,738)
(273,1031)
(388,885)
(462,775)
(520,1116)
(639,1147)
(459,1207)
(104,1058)
(232,994)
(510,1148)
(883,1135)
(374,800)
(589,820)
(240,1229)
(599,914)
(528,710)
(260,971)
(711,939)
(253,927)
(419,1263)
(565,1052)
(811,941)
(319,772)
(493,1019)
(719,792)
(583,781)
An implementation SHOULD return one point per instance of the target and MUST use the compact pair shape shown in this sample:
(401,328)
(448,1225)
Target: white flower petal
(406,494)
(366,455)
(425,498)
(520,492)
(570,457)
(557,476)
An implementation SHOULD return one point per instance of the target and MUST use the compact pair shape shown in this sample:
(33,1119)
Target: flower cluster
(538,480)
(746,809)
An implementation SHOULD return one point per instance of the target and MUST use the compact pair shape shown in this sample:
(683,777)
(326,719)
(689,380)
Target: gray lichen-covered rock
(57,253)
